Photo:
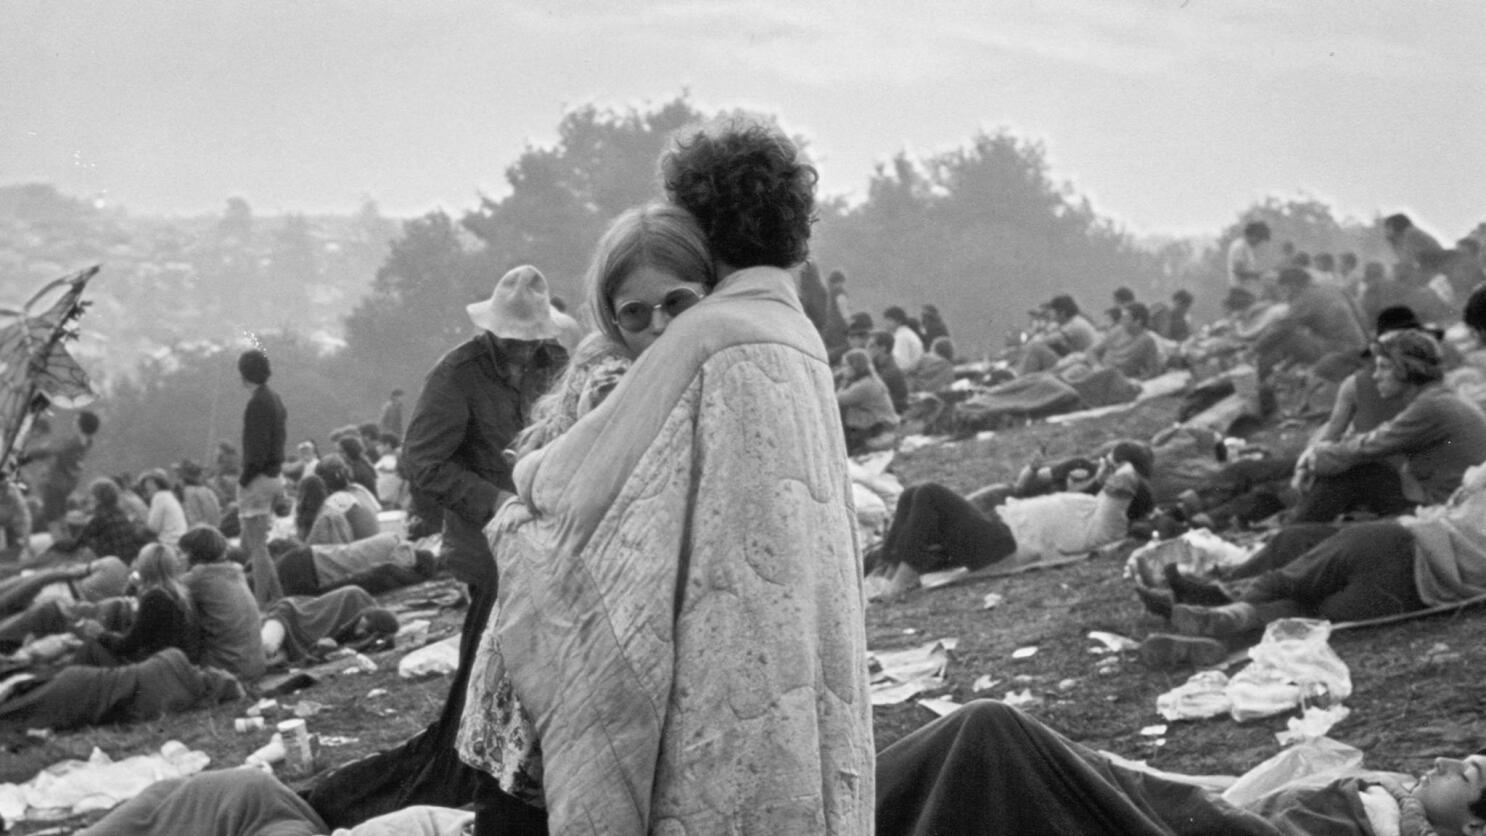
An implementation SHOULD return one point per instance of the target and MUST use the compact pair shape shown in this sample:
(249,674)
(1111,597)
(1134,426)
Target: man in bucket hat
(474,402)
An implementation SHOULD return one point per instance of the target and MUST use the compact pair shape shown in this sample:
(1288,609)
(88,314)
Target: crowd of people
(666,574)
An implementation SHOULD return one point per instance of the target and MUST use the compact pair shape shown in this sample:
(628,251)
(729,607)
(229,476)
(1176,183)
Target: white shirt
(166,518)
(907,348)
(1241,256)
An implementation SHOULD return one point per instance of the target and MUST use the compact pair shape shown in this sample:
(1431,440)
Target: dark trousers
(935,529)
(1370,486)
(1290,542)
(1363,571)
(990,769)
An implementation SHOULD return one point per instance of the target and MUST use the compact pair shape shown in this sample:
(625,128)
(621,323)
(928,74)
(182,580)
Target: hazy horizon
(1170,117)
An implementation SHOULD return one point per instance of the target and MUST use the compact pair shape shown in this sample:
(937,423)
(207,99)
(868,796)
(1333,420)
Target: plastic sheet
(1313,763)
(1292,662)
(72,787)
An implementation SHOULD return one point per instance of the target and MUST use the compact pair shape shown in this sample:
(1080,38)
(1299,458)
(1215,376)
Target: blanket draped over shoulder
(683,617)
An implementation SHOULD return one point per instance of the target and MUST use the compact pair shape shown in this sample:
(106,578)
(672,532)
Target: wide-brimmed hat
(519,308)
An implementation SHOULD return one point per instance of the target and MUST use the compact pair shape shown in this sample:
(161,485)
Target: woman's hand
(87,628)
(512,515)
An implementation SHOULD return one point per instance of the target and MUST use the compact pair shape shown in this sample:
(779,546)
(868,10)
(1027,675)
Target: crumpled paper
(901,675)
(435,659)
(72,787)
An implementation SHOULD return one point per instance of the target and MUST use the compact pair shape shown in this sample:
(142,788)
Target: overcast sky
(1171,116)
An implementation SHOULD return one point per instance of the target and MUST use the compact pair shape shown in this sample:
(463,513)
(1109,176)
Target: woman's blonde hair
(858,360)
(160,567)
(656,235)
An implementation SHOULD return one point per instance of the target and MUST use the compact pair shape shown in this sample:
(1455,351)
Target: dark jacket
(893,378)
(263,435)
(466,417)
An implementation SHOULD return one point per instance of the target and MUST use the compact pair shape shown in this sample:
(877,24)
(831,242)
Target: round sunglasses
(635,315)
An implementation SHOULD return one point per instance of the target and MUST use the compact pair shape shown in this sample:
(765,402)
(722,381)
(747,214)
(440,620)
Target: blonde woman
(164,617)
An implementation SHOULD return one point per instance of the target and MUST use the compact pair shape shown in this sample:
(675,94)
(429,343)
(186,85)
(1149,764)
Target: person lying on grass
(294,625)
(987,768)
(935,529)
(1433,557)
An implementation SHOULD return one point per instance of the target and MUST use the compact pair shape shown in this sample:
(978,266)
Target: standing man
(391,421)
(259,484)
(1244,269)
(474,402)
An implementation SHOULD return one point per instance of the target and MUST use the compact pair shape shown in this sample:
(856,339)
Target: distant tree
(291,268)
(983,232)
(562,197)
(415,311)
(181,402)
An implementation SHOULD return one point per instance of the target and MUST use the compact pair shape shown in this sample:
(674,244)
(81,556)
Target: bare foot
(904,581)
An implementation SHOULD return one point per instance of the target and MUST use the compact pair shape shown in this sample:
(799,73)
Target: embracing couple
(679,644)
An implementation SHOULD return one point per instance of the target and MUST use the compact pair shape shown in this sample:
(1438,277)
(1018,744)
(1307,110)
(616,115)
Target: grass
(1412,701)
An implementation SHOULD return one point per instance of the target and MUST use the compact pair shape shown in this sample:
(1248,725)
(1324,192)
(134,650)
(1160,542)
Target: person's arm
(155,626)
(857,393)
(1342,412)
(1416,428)
(434,435)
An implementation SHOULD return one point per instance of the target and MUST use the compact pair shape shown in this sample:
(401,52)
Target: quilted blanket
(683,614)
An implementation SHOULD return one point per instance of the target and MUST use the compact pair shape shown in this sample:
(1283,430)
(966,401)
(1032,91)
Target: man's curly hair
(748,187)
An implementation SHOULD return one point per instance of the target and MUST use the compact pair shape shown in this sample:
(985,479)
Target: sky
(1170,116)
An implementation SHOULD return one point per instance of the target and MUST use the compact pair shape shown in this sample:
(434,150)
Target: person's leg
(16,594)
(1375,486)
(255,502)
(295,569)
(1291,542)
(43,620)
(896,531)
(1315,577)
(265,577)
(938,516)
(1376,576)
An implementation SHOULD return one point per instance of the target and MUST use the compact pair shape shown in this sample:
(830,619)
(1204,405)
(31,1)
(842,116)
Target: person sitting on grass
(1433,557)
(108,532)
(1439,435)
(866,409)
(348,497)
(316,521)
(935,529)
(166,519)
(198,501)
(935,371)
(164,616)
(225,608)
